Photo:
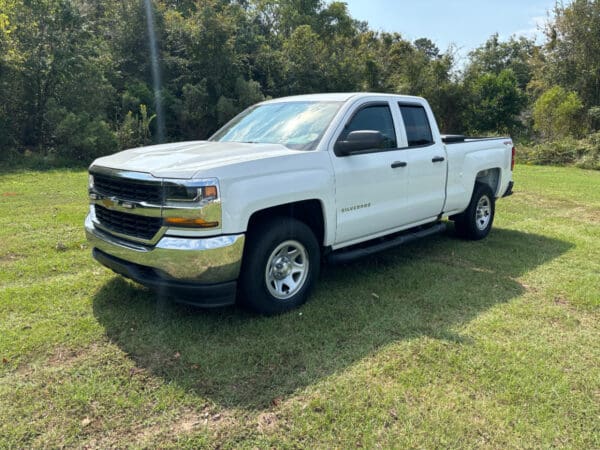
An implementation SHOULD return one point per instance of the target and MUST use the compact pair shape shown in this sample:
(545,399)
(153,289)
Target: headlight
(188,193)
(90,181)
(192,204)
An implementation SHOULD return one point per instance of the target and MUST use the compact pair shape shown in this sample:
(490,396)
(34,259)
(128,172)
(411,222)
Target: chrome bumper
(192,260)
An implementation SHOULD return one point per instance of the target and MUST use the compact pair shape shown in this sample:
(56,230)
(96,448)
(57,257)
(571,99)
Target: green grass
(442,343)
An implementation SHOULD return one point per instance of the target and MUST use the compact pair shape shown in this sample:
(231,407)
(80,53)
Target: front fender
(279,184)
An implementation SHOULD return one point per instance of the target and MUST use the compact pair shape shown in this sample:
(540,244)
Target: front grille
(128,224)
(125,189)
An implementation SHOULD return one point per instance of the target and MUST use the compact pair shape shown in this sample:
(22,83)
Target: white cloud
(535,30)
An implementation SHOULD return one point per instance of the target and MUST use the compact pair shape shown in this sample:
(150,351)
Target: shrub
(584,153)
(594,118)
(135,130)
(591,158)
(557,114)
(84,138)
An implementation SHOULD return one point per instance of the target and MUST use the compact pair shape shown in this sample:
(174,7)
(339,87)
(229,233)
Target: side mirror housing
(359,140)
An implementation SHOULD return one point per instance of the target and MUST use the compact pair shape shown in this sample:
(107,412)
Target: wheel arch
(491,177)
(310,212)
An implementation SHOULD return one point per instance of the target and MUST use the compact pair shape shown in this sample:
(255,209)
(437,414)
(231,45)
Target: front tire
(476,221)
(281,264)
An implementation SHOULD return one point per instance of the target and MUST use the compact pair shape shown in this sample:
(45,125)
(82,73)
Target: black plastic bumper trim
(509,189)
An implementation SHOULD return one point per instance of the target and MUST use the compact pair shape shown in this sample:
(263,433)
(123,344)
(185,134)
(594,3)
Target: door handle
(399,164)
(438,159)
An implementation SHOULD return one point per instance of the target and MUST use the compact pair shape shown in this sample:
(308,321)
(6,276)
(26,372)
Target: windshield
(297,125)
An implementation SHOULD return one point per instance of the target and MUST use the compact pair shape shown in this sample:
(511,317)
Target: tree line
(78,78)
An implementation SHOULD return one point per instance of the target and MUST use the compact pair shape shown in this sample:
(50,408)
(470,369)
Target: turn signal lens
(210,192)
(192,223)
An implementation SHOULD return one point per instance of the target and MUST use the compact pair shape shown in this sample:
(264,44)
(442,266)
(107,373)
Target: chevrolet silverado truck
(252,213)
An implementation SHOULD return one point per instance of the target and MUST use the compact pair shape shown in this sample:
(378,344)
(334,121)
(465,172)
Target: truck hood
(184,159)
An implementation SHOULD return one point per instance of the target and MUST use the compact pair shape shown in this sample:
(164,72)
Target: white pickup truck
(287,184)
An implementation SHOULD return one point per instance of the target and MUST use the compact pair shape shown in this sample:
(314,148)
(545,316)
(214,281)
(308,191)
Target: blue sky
(465,23)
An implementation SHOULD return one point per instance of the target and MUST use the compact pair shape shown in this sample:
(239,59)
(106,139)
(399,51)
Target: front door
(370,190)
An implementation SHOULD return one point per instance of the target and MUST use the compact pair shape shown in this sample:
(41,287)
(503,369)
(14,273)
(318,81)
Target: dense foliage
(82,78)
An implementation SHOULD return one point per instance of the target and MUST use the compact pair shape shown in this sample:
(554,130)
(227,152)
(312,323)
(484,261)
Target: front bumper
(194,265)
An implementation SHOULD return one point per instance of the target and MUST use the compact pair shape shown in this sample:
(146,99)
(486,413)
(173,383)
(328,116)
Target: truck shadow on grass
(237,359)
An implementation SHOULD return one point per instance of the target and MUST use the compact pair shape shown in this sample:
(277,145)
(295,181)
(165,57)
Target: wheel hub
(282,267)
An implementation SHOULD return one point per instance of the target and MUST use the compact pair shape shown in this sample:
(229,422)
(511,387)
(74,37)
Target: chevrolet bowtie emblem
(113,201)
(108,202)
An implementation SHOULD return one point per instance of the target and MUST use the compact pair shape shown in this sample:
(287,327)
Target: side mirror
(359,140)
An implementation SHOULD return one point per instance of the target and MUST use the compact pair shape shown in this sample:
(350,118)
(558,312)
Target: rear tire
(476,221)
(280,267)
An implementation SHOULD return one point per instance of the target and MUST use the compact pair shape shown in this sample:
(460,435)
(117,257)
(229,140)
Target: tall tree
(495,56)
(10,113)
(495,103)
(573,50)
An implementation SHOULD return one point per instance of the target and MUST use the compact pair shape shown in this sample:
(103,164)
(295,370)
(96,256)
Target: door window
(374,118)
(418,131)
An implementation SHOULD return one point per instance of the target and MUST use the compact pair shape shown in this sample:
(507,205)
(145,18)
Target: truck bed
(450,139)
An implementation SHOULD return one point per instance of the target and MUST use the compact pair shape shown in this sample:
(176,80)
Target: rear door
(426,165)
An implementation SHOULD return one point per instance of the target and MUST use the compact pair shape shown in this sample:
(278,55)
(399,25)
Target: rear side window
(377,118)
(417,126)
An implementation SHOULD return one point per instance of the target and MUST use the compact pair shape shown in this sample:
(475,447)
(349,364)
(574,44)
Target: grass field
(440,344)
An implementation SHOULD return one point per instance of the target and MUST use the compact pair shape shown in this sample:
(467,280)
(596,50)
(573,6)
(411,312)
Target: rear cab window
(416,123)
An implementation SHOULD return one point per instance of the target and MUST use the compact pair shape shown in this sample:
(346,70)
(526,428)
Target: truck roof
(336,97)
